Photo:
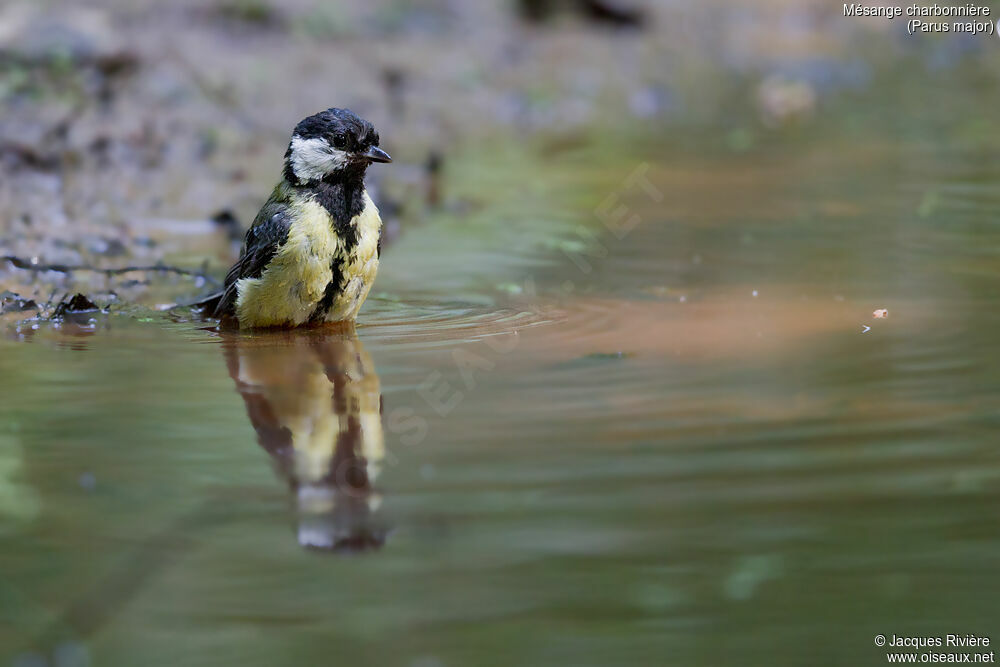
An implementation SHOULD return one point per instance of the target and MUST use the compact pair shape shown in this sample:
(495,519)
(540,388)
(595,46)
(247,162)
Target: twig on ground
(21,263)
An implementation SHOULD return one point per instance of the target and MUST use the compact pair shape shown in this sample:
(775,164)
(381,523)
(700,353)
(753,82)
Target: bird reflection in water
(314,399)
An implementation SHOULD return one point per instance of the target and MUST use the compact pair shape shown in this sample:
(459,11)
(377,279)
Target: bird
(311,255)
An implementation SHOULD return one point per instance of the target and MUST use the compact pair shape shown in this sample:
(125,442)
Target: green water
(558,443)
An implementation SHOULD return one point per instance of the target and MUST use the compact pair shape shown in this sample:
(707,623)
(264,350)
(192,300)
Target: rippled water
(546,442)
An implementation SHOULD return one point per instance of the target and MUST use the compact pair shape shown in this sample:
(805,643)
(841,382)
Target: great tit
(312,253)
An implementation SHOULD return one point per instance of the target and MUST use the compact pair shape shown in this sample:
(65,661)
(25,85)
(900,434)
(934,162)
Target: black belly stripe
(349,235)
(333,289)
(344,202)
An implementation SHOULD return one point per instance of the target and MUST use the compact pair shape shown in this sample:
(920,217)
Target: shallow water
(547,441)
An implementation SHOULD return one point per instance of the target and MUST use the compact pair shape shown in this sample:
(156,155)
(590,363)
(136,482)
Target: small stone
(14,303)
(78,304)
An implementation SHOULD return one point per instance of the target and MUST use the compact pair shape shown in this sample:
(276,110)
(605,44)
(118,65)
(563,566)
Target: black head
(335,143)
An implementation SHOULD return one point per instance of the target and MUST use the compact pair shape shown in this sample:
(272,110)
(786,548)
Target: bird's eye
(340,141)
(375,140)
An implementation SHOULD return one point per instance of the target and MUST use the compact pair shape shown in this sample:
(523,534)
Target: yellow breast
(295,281)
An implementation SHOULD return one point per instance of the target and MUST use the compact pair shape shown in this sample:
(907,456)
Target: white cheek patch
(312,159)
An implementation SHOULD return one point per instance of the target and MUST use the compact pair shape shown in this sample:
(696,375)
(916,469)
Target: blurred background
(619,395)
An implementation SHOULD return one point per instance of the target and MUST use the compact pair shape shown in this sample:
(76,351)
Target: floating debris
(880,314)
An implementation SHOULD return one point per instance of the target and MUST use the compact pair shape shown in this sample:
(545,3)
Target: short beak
(376,154)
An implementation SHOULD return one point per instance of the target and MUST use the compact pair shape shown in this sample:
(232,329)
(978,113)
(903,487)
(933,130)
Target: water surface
(547,441)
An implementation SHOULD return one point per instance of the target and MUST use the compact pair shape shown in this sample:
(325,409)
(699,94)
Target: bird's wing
(268,232)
